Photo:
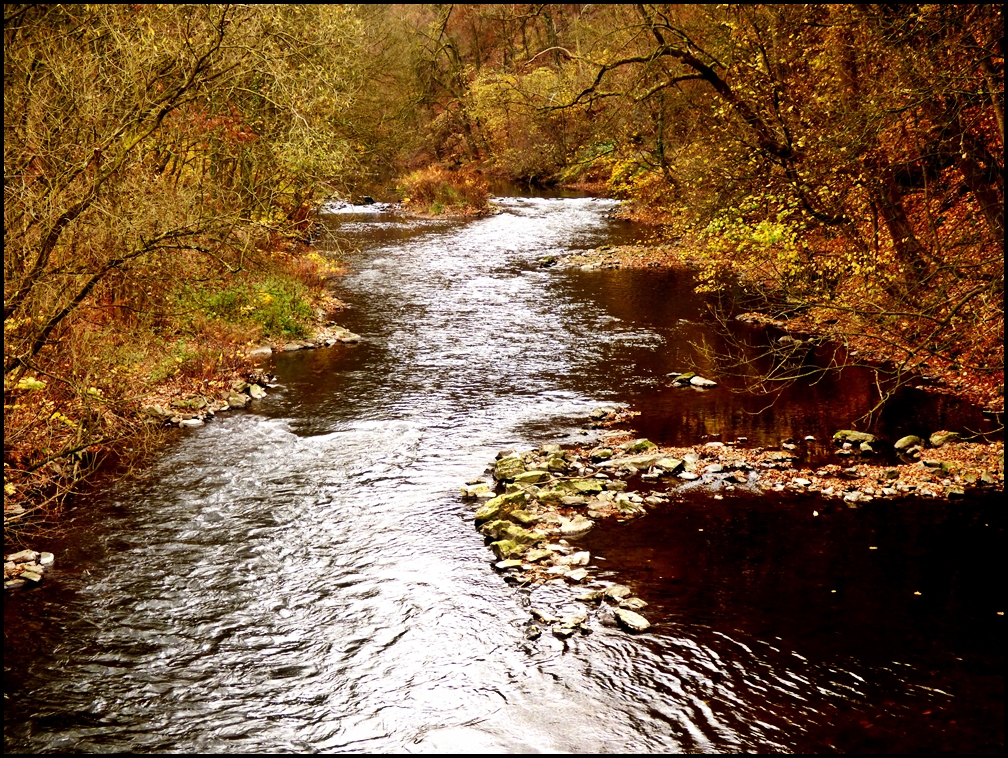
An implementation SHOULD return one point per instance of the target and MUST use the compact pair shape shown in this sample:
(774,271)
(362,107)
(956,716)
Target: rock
(563,632)
(943,438)
(601,454)
(158,412)
(490,509)
(589,596)
(632,621)
(683,380)
(508,468)
(190,422)
(669,466)
(689,476)
(469,491)
(556,463)
(260,352)
(853,437)
(256,392)
(32,575)
(637,461)
(550,449)
(236,400)
(581,486)
(616,485)
(639,446)
(866,449)
(577,575)
(505,549)
(580,558)
(46,559)
(577,525)
(536,554)
(632,604)
(802,482)
(699,381)
(617,591)
(22,556)
(524,518)
(531,477)
(510,563)
(956,492)
(14,584)
(904,443)
(599,413)
(533,632)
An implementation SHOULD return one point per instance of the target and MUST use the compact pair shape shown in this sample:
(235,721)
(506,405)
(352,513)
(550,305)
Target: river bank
(934,373)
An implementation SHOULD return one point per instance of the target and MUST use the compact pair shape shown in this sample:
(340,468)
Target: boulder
(581,486)
(905,443)
(490,510)
(630,620)
(577,525)
(469,491)
(617,591)
(943,438)
(853,437)
(632,604)
(669,465)
(556,463)
(238,400)
(637,461)
(601,454)
(256,392)
(508,468)
(505,549)
(531,477)
(522,517)
(639,446)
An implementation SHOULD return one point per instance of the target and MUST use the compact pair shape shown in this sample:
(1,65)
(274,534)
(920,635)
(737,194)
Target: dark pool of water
(304,576)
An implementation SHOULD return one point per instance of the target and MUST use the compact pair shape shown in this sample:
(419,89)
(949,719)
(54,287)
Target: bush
(437,191)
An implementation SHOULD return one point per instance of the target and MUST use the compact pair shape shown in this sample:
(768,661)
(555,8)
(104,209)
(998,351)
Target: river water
(303,576)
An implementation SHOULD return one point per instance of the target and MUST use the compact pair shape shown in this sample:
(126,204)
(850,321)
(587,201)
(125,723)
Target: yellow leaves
(57,416)
(30,384)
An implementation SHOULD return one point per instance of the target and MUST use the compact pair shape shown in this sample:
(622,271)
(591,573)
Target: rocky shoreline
(535,501)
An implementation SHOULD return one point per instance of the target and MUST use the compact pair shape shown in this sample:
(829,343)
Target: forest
(163,165)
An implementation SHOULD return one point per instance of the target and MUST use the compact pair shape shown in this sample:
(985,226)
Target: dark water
(304,576)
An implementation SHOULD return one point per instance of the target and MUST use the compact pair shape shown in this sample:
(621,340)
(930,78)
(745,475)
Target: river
(304,576)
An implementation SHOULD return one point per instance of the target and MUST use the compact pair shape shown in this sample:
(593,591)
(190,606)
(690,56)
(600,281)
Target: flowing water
(303,576)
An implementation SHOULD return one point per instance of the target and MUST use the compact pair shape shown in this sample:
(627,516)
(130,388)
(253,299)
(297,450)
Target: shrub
(436,190)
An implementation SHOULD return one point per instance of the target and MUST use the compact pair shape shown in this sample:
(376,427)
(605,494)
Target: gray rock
(853,437)
(699,381)
(260,352)
(632,604)
(22,556)
(904,443)
(689,476)
(31,575)
(256,392)
(943,438)
(508,468)
(190,422)
(632,621)
(576,575)
(238,400)
(46,559)
(577,525)
(617,591)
